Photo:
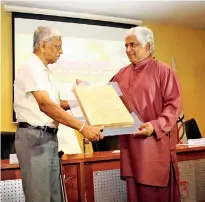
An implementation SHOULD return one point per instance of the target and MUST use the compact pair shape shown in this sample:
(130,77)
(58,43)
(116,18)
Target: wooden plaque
(101,105)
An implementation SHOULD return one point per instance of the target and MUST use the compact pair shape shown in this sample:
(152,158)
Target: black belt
(44,128)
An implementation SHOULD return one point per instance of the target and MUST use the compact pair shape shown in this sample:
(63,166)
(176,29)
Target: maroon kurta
(152,88)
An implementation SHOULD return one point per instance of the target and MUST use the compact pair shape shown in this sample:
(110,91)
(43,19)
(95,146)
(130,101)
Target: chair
(7,144)
(192,130)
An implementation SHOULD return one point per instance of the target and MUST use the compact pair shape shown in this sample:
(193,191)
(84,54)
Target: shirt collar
(41,65)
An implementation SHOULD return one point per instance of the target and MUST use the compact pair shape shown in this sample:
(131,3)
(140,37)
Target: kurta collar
(142,63)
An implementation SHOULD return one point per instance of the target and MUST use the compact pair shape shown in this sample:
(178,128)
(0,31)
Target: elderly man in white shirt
(39,110)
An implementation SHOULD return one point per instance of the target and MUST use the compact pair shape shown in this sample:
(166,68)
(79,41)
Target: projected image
(87,59)
(90,52)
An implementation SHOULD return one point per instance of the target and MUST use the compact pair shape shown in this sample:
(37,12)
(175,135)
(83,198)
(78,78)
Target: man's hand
(64,104)
(81,82)
(145,129)
(92,133)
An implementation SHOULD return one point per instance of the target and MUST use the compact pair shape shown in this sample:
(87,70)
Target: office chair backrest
(192,130)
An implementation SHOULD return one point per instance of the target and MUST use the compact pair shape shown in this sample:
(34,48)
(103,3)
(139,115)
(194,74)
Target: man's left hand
(145,129)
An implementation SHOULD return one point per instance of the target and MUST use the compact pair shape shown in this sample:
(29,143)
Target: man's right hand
(92,133)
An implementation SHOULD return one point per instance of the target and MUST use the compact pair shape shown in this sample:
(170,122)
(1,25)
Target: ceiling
(185,13)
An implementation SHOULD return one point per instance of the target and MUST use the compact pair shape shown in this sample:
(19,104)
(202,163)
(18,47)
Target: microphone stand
(62,177)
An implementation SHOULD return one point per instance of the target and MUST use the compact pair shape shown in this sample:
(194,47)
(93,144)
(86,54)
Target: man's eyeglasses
(58,47)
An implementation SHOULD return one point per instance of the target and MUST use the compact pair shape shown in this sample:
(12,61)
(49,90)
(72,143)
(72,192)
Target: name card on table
(196,142)
(13,159)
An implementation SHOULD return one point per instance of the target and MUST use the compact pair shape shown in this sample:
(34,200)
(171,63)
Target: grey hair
(144,35)
(43,34)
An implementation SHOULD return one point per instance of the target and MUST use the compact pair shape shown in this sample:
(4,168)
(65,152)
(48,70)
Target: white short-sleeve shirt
(33,76)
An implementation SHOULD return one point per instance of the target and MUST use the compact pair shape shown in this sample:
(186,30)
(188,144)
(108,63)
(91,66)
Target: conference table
(96,177)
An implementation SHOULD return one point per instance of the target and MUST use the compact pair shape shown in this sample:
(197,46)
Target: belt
(44,128)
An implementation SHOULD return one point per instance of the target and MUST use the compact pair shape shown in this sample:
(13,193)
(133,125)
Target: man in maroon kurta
(148,158)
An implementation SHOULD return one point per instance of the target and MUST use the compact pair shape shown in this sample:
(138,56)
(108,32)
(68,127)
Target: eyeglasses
(58,47)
